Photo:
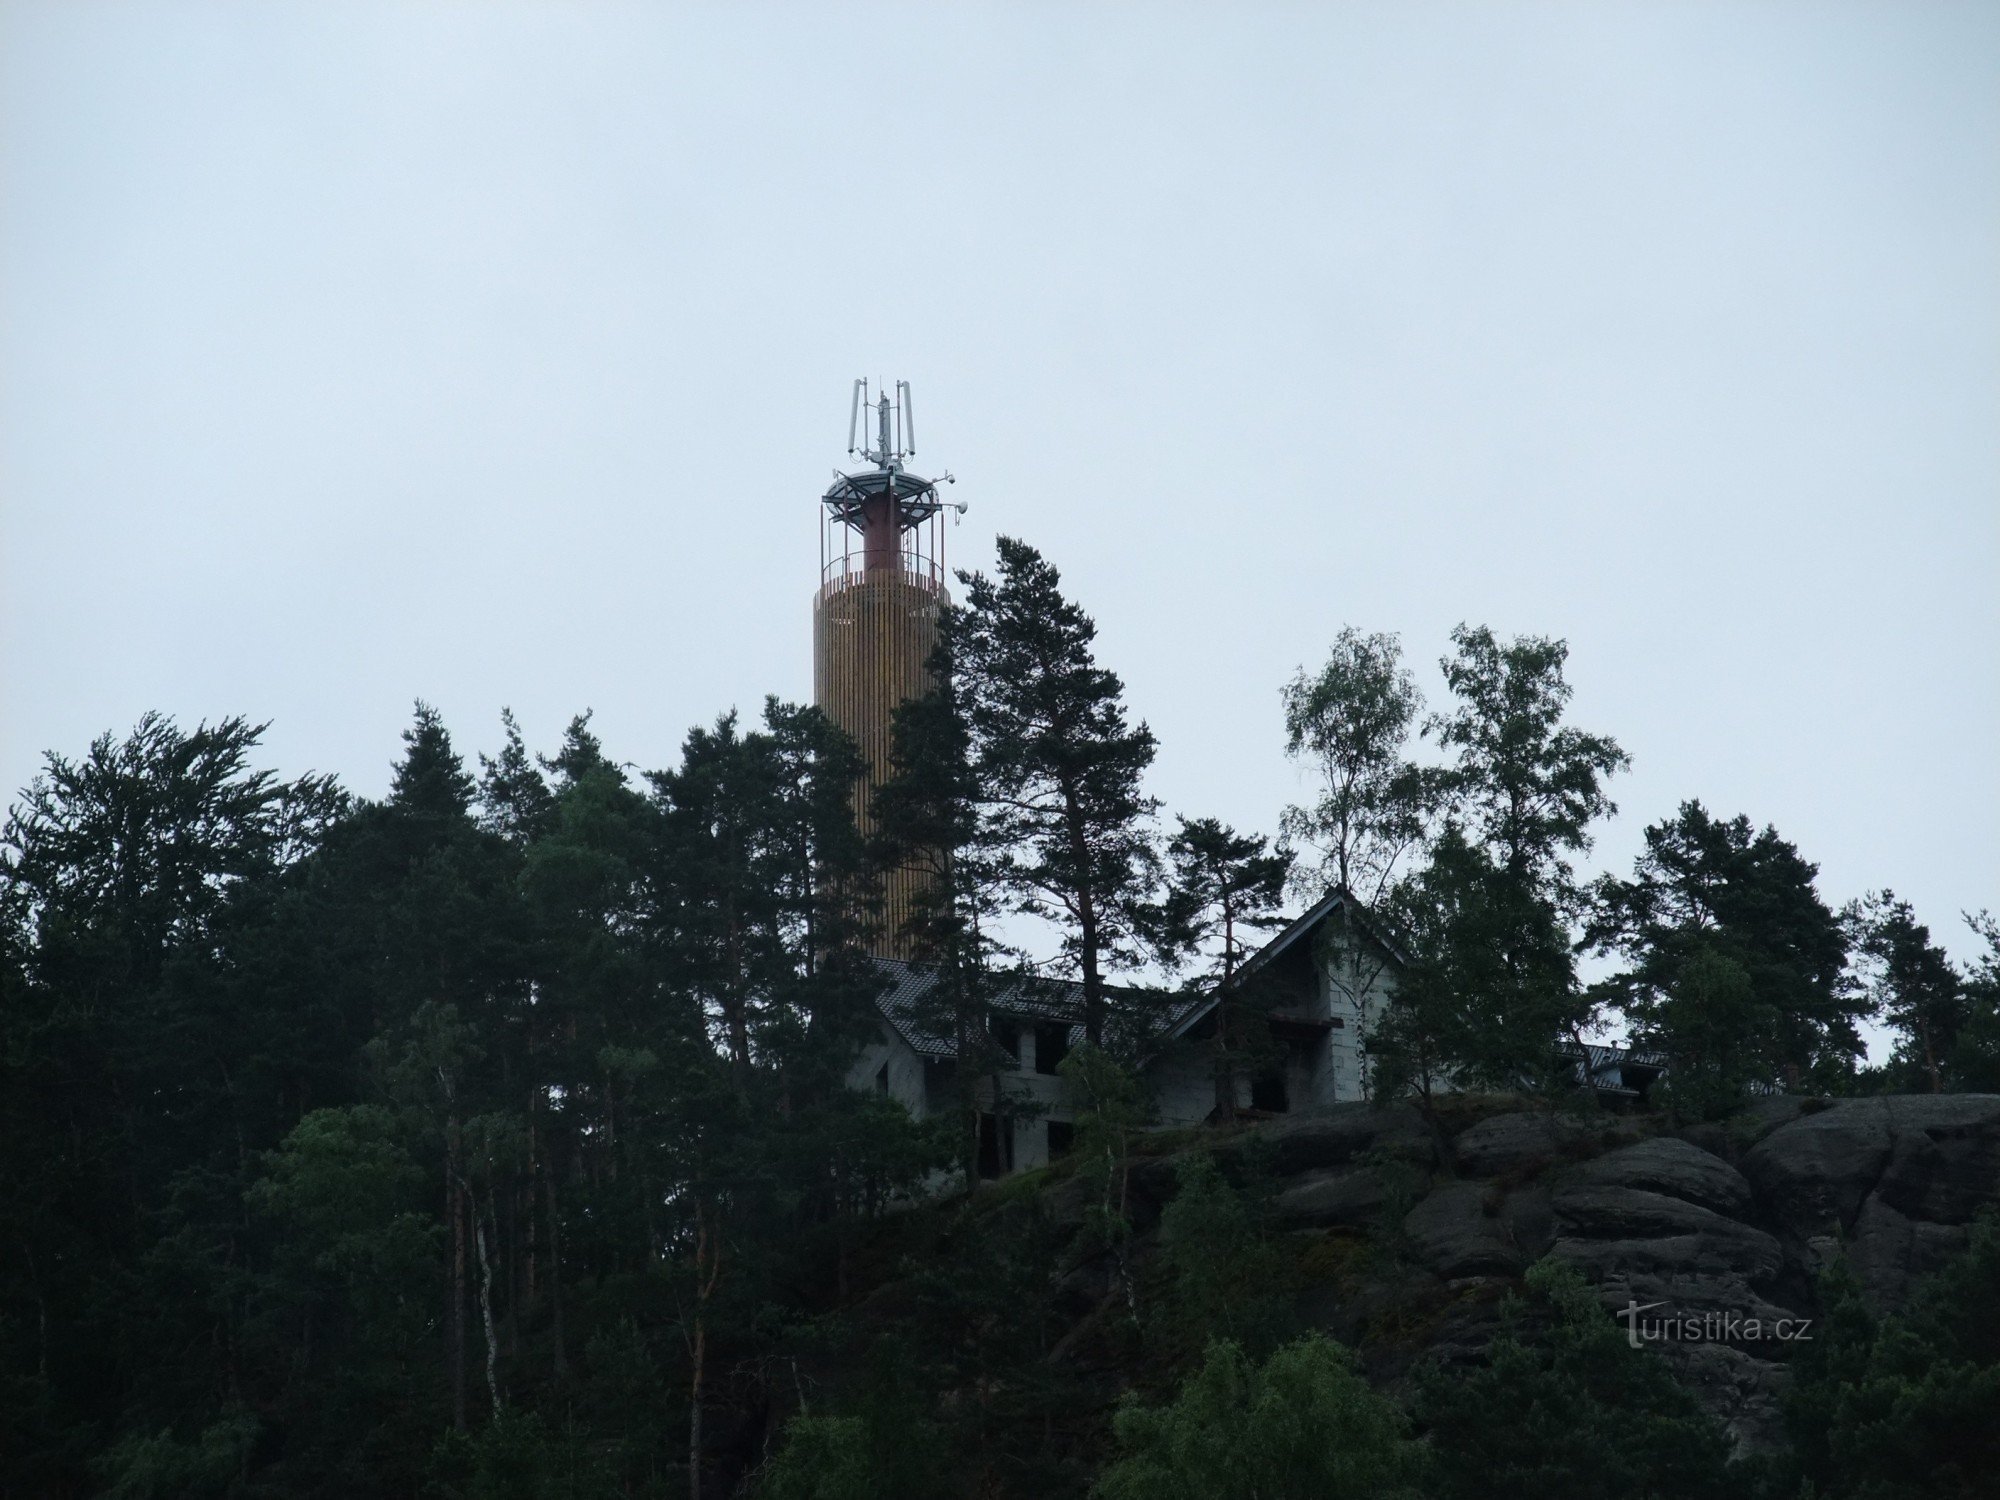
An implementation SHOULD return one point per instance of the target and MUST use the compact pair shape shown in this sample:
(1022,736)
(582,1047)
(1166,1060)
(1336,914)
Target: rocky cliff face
(1718,1232)
(1402,1235)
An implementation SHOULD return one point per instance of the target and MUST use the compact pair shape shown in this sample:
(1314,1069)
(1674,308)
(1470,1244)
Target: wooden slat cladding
(873,633)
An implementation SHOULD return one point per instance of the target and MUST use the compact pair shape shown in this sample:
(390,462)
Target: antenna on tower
(894,423)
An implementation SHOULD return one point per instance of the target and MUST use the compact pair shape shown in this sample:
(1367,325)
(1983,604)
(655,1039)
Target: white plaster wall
(1183,1086)
(907,1084)
(1355,991)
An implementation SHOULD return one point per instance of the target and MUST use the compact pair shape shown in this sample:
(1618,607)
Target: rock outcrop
(1708,1246)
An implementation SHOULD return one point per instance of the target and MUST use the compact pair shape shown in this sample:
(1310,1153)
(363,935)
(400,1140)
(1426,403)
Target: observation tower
(875,617)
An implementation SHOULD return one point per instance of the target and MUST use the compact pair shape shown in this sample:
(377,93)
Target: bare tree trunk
(738,1018)
(454,1317)
(486,1306)
(555,1272)
(707,1270)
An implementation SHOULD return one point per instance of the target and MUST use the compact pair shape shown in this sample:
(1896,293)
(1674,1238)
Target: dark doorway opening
(996,1146)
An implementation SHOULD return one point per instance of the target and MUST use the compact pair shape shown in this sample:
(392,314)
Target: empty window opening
(1051,1046)
(1006,1036)
(1062,1139)
(1267,1092)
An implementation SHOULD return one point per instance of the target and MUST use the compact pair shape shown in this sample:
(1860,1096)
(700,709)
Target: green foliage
(349,1200)
(493,1138)
(1110,1109)
(1975,1055)
(1708,1024)
(1490,986)
(1912,984)
(1300,1426)
(932,816)
(1525,783)
(822,1458)
(1230,1282)
(1902,1407)
(1351,723)
(1492,983)
(1722,900)
(887,1449)
(1225,888)
(1059,766)
(155,1466)
(519,1456)
(1563,1408)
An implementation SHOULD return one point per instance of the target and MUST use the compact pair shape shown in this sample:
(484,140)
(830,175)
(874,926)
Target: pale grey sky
(497,354)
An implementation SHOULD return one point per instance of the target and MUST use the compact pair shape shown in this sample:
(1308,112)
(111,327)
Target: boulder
(1944,1163)
(1641,1246)
(1891,1251)
(1741,1252)
(1933,1156)
(1343,1133)
(1454,1233)
(1321,1199)
(1513,1143)
(1813,1173)
(1527,1220)
(1759,1117)
(1676,1168)
(1619,1276)
(1618,1213)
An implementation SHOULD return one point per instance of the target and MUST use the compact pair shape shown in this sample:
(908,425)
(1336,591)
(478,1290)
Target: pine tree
(1224,888)
(1911,983)
(1059,766)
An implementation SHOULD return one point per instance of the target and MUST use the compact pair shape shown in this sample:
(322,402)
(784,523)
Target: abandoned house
(1317,985)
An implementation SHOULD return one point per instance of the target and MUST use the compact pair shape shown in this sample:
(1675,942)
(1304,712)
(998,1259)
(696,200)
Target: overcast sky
(497,355)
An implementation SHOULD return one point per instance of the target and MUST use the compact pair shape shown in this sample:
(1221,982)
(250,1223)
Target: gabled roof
(1340,898)
(1307,922)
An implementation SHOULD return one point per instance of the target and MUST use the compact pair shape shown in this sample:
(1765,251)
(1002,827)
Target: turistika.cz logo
(1709,1327)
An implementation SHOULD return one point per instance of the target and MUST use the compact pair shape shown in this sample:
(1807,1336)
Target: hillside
(1403,1237)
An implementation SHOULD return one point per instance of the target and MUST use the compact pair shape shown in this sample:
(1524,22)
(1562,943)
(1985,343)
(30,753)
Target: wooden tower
(875,617)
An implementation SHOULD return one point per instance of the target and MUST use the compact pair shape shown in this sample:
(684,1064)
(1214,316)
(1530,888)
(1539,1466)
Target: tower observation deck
(875,617)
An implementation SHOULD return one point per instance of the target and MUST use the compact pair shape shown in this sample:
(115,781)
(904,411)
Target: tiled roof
(1022,997)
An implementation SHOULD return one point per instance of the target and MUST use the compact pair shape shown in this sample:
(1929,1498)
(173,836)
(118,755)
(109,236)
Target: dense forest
(492,1138)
